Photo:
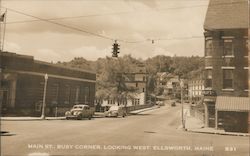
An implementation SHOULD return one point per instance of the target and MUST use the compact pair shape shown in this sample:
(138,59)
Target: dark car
(173,104)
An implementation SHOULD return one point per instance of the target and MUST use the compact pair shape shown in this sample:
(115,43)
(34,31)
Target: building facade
(23,86)
(195,90)
(227,65)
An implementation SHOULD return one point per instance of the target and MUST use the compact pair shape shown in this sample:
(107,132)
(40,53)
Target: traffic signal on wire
(115,49)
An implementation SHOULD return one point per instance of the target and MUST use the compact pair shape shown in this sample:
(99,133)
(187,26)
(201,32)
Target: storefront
(233,114)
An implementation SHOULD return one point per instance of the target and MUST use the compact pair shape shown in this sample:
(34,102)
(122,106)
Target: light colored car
(80,111)
(115,111)
(160,103)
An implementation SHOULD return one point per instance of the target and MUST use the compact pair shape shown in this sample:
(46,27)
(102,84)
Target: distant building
(23,81)
(227,65)
(195,88)
(134,81)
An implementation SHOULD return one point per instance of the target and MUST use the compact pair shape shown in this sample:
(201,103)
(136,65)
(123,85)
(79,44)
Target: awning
(225,103)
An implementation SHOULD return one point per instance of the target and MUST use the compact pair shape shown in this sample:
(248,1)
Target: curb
(140,111)
(221,133)
(29,119)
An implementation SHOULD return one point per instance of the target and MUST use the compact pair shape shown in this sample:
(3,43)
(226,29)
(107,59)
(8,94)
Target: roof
(227,14)
(225,103)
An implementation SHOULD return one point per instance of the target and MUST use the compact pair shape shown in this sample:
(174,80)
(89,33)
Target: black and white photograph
(124,77)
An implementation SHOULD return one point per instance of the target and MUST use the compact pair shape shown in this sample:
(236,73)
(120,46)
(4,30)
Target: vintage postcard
(124,78)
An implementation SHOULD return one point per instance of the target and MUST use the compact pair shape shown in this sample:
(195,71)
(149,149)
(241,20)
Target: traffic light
(115,49)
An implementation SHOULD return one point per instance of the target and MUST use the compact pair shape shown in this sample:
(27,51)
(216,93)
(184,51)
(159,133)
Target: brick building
(23,81)
(227,65)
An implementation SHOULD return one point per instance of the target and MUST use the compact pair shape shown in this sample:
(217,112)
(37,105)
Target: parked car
(115,111)
(160,103)
(80,111)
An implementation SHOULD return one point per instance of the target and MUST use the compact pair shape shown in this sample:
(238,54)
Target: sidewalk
(29,118)
(195,125)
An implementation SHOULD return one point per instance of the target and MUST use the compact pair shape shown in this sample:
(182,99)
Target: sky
(88,28)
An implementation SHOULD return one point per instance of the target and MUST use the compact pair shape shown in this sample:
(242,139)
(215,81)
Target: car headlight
(67,113)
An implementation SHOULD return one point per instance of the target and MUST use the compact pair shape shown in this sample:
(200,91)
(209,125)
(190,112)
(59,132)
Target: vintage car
(115,111)
(173,103)
(80,111)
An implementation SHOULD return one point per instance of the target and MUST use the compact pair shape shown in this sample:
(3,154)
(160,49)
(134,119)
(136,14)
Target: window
(55,92)
(87,94)
(208,83)
(227,79)
(246,80)
(246,48)
(67,94)
(77,95)
(208,47)
(228,62)
(228,47)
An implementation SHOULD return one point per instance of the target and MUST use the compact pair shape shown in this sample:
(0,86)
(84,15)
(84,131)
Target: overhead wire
(52,21)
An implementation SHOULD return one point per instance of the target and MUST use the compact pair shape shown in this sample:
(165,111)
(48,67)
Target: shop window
(228,47)
(208,47)
(227,79)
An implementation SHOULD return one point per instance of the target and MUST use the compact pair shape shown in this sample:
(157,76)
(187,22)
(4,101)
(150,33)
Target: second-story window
(227,79)
(246,49)
(208,83)
(228,47)
(246,80)
(208,47)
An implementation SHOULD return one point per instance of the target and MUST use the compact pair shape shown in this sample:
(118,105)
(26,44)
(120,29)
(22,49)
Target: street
(153,132)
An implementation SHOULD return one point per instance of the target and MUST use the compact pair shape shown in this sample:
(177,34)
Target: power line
(91,33)
(109,38)
(117,13)
(59,24)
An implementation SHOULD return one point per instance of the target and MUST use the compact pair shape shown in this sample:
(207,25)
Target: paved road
(151,133)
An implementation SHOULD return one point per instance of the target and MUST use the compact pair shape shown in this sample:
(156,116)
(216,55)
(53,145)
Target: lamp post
(44,95)
(182,113)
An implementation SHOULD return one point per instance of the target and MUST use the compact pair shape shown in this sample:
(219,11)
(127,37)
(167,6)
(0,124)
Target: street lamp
(182,113)
(44,95)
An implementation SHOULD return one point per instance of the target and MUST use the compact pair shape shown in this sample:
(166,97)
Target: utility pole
(182,109)
(44,96)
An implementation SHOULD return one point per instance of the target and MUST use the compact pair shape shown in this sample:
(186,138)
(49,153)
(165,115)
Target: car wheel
(79,117)
(67,118)
(90,117)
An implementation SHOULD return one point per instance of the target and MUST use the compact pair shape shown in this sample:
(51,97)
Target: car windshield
(77,107)
(113,108)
